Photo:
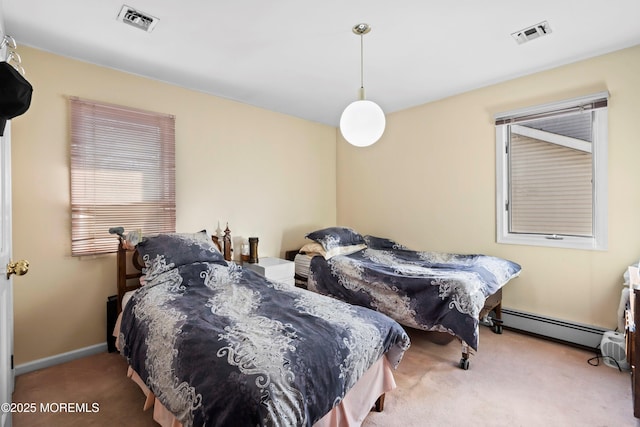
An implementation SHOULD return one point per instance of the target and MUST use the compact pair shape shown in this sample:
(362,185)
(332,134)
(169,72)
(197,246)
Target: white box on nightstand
(277,269)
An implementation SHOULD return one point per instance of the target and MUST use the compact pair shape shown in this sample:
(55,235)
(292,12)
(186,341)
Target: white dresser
(275,269)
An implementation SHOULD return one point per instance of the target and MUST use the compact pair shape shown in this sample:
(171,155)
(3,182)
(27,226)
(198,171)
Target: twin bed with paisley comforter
(211,343)
(430,291)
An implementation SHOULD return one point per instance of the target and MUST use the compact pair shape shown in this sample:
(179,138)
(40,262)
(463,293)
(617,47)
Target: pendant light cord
(361,61)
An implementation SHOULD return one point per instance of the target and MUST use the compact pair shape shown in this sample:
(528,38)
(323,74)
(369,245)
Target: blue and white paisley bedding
(221,345)
(425,290)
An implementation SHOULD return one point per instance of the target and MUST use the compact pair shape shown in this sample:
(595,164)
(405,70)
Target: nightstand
(276,269)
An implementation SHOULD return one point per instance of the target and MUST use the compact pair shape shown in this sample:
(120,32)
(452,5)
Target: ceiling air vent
(138,19)
(533,32)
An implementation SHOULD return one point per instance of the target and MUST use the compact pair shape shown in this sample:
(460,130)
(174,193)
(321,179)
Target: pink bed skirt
(350,412)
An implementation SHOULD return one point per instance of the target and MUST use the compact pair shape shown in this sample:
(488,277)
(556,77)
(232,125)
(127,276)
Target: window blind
(122,174)
(551,188)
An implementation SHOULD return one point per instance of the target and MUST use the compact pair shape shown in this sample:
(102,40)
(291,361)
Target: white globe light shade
(362,123)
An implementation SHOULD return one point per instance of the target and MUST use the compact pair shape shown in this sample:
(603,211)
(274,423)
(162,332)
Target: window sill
(566,242)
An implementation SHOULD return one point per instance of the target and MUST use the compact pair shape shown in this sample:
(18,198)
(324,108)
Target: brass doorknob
(19,268)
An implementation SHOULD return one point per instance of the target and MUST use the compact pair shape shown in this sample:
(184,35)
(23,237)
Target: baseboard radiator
(562,330)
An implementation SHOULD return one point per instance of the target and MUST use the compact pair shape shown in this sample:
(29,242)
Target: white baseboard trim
(60,358)
(571,332)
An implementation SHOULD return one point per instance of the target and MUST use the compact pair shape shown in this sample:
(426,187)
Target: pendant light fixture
(362,122)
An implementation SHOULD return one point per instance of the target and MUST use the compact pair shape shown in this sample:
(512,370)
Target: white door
(6,294)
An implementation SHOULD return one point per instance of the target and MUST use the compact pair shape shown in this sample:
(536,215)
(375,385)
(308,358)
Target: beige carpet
(514,380)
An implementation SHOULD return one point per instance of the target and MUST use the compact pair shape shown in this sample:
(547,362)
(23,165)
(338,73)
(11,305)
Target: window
(122,174)
(551,174)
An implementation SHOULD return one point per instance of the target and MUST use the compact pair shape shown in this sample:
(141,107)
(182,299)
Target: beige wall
(430,183)
(267,174)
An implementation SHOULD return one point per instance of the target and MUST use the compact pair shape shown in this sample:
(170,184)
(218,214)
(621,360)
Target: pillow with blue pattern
(338,241)
(163,252)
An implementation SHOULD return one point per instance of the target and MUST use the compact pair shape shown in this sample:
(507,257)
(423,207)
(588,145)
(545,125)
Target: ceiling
(302,58)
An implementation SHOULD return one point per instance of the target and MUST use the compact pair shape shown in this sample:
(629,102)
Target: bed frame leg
(464,362)
(379,405)
(497,327)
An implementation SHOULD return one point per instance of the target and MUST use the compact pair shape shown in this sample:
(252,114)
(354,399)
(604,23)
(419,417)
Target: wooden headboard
(130,264)
(127,271)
